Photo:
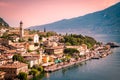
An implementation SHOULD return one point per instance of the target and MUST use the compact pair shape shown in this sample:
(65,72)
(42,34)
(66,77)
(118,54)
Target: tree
(36,44)
(30,39)
(70,51)
(67,58)
(40,68)
(51,33)
(67,44)
(21,40)
(22,76)
(34,72)
(29,50)
(74,39)
(32,31)
(17,57)
(38,52)
(63,60)
(35,66)
(5,35)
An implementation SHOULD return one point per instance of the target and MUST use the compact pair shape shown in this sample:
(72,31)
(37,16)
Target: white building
(36,38)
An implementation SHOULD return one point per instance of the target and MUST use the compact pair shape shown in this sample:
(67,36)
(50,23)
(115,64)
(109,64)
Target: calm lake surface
(107,68)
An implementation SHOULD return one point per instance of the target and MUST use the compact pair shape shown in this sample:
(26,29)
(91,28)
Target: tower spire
(21,30)
(44,29)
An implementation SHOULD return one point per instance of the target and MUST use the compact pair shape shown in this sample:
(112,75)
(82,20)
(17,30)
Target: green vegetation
(8,36)
(32,31)
(41,35)
(67,58)
(47,34)
(35,66)
(22,76)
(17,57)
(73,39)
(70,51)
(37,71)
(51,33)
(5,35)
(21,40)
(30,39)
(34,72)
(36,44)
(39,77)
(38,52)
(29,50)
(39,68)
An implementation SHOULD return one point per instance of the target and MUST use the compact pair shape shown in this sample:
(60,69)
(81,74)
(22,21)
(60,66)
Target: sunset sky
(38,12)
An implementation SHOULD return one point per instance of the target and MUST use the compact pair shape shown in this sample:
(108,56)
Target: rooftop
(15,64)
(56,47)
(1,73)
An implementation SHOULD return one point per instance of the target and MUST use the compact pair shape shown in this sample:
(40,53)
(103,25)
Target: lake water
(107,68)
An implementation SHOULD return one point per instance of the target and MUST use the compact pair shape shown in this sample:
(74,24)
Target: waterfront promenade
(61,65)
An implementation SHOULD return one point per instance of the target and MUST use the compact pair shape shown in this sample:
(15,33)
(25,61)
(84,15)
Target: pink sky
(38,12)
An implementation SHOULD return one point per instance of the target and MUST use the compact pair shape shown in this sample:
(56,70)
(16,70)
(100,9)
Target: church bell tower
(21,30)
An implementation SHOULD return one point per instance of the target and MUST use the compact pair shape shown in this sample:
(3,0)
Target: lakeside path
(67,64)
(57,67)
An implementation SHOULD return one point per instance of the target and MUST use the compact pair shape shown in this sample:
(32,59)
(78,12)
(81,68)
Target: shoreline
(62,65)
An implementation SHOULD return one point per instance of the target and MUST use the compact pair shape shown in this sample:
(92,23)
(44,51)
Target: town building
(82,49)
(2,74)
(54,50)
(4,41)
(36,38)
(32,60)
(12,69)
(2,31)
(48,58)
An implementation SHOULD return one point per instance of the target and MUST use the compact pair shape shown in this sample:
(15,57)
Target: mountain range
(106,21)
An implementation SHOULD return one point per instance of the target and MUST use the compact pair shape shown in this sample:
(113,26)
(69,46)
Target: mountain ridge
(3,23)
(107,19)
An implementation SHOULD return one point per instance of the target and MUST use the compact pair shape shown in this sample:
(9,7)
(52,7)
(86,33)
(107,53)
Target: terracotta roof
(1,73)
(31,58)
(15,64)
(57,47)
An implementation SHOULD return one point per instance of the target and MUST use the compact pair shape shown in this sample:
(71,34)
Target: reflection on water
(47,75)
(107,68)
